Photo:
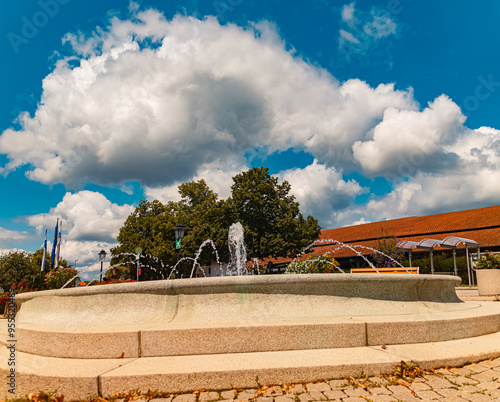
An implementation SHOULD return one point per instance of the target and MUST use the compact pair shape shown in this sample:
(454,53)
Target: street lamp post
(102,256)
(179,231)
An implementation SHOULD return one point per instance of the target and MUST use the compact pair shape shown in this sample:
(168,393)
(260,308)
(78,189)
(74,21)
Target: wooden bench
(394,270)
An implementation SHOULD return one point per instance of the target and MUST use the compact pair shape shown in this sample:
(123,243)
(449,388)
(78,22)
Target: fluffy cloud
(167,101)
(12,238)
(156,100)
(86,216)
(85,252)
(472,182)
(419,137)
(218,177)
(321,191)
(6,234)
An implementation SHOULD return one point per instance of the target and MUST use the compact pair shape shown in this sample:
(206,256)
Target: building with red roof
(481,225)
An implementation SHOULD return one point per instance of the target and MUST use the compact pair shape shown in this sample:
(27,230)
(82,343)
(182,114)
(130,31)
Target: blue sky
(371,110)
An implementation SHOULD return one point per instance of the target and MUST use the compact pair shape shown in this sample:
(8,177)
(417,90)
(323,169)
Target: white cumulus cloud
(321,191)
(156,100)
(86,216)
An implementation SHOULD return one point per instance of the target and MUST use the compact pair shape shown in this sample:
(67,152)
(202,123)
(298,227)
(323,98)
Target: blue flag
(52,257)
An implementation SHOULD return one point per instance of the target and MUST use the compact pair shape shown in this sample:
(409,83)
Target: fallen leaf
(384,347)
(121,356)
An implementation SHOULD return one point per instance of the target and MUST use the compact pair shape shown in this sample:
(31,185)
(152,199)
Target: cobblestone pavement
(473,382)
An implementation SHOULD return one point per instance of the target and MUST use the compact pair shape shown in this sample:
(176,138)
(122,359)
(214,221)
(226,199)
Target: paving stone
(208,396)
(437,382)
(402,393)
(296,389)
(284,398)
(229,394)
(249,391)
(320,386)
(487,375)
(450,392)
(380,391)
(461,371)
(317,396)
(377,381)
(185,398)
(419,386)
(460,380)
(495,362)
(352,399)
(338,384)
(337,394)
(382,398)
(428,395)
(243,397)
(264,399)
(494,393)
(477,397)
(475,367)
(356,392)
(489,385)
(274,391)
(305,397)
(470,389)
(167,399)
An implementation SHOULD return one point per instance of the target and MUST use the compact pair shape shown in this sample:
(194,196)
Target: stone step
(84,378)
(189,338)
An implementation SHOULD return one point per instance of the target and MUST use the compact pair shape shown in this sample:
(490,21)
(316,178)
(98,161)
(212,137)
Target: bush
(255,266)
(441,264)
(56,278)
(313,265)
(391,254)
(489,261)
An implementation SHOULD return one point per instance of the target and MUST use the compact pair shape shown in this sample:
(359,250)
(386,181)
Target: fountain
(237,250)
(239,331)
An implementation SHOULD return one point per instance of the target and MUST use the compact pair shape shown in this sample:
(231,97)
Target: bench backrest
(394,270)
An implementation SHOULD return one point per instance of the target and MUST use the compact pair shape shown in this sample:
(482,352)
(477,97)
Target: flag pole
(44,251)
(58,247)
(52,256)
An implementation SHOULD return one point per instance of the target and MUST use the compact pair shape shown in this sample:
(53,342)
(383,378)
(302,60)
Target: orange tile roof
(481,225)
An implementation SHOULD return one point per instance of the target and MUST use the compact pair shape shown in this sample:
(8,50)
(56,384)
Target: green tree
(205,217)
(149,228)
(17,265)
(270,216)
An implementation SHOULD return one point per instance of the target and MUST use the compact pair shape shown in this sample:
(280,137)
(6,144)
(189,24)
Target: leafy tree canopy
(17,265)
(270,216)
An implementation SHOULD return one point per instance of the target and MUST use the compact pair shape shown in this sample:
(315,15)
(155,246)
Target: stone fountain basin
(247,314)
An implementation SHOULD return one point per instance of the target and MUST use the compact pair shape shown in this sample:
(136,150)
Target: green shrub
(313,265)
(489,261)
(56,278)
